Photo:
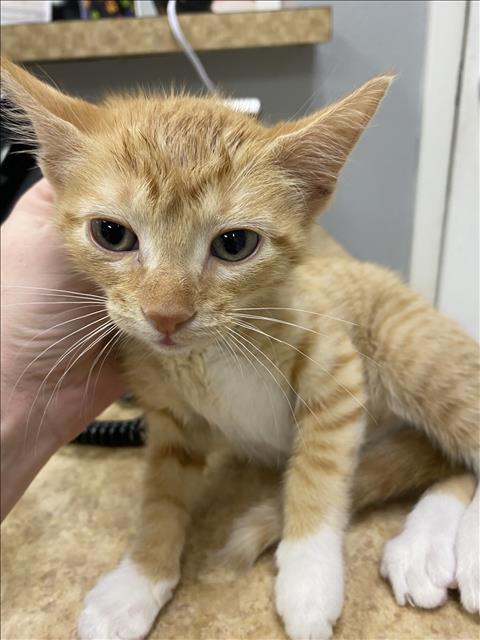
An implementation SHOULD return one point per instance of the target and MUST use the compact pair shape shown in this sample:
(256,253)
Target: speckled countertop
(77,518)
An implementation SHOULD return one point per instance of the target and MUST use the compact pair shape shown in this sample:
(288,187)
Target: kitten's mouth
(167,341)
(167,344)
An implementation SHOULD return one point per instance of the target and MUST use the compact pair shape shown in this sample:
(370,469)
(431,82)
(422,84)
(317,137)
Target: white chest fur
(246,404)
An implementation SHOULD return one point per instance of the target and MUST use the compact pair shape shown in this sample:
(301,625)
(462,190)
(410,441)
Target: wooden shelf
(78,39)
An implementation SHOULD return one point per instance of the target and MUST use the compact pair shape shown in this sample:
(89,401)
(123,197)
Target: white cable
(186,46)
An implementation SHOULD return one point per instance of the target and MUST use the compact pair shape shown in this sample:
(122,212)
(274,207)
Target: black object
(18,167)
(17,174)
(184,6)
(68,10)
(114,433)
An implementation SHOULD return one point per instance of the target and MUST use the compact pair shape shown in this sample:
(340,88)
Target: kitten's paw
(309,586)
(123,605)
(420,561)
(468,557)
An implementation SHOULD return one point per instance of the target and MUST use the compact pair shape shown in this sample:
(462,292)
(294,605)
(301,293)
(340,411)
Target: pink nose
(168,322)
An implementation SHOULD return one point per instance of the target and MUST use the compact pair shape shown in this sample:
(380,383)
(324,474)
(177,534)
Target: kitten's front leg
(125,602)
(309,587)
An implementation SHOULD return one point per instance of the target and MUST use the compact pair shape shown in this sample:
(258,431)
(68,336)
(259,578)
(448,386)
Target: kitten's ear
(313,150)
(53,121)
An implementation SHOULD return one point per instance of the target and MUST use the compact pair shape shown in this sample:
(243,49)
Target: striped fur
(302,362)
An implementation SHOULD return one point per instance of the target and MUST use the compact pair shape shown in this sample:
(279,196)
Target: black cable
(114,433)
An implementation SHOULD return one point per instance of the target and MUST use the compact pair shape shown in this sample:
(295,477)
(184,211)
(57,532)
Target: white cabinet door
(458,284)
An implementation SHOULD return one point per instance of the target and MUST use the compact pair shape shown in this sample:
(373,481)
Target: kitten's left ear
(53,121)
(313,150)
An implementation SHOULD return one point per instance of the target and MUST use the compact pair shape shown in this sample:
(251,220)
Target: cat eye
(113,236)
(236,245)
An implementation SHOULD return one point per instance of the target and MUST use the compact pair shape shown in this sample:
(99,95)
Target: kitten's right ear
(314,149)
(55,122)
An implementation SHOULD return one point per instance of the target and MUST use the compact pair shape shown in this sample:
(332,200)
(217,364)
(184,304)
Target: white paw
(420,561)
(468,556)
(123,605)
(309,586)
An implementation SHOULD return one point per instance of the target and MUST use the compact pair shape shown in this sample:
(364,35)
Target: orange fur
(334,342)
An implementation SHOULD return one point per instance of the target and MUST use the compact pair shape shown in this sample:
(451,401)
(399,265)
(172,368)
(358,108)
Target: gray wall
(373,210)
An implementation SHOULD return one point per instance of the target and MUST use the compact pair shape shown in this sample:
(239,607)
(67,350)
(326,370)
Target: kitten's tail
(254,532)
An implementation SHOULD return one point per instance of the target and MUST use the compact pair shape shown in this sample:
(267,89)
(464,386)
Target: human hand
(58,371)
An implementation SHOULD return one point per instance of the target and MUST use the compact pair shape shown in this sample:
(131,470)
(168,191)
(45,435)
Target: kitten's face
(181,210)
(185,227)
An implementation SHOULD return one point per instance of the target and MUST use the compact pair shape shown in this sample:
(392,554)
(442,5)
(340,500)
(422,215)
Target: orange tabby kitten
(195,220)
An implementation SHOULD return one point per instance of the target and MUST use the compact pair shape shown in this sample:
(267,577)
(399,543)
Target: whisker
(74,358)
(55,291)
(313,313)
(66,297)
(76,302)
(78,343)
(221,345)
(233,352)
(239,335)
(274,413)
(290,324)
(90,372)
(298,326)
(104,331)
(120,336)
(352,395)
(42,353)
(60,324)
(84,305)
(82,341)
